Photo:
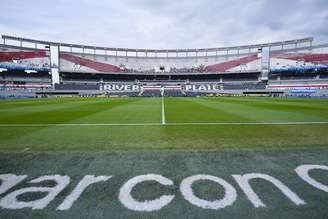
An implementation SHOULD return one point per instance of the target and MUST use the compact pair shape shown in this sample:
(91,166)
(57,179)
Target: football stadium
(217,132)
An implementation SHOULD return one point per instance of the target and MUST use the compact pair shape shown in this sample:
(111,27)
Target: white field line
(80,124)
(160,124)
(163,111)
(245,123)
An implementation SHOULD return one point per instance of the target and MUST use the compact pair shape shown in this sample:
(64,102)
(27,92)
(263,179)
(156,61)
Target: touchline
(10,200)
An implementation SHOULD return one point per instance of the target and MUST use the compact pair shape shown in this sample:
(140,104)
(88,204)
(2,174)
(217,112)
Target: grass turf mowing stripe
(255,112)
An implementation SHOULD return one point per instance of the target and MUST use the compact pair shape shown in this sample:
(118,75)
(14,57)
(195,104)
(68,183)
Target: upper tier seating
(221,67)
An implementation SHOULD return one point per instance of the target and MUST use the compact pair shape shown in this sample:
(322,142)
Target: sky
(165,24)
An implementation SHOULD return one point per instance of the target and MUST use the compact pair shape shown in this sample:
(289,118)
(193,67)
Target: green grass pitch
(125,137)
(122,124)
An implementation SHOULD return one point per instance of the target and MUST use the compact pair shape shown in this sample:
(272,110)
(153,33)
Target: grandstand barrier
(76,87)
(17,58)
(299,86)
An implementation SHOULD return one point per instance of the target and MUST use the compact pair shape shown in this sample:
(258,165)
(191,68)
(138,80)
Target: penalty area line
(161,124)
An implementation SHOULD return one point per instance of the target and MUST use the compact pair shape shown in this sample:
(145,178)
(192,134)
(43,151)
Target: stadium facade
(30,68)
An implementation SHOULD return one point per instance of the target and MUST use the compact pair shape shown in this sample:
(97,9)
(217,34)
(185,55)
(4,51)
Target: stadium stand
(222,67)
(140,72)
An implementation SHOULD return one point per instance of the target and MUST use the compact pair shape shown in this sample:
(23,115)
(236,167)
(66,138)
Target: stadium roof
(253,46)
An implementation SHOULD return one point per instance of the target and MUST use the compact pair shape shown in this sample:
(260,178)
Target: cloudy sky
(165,23)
